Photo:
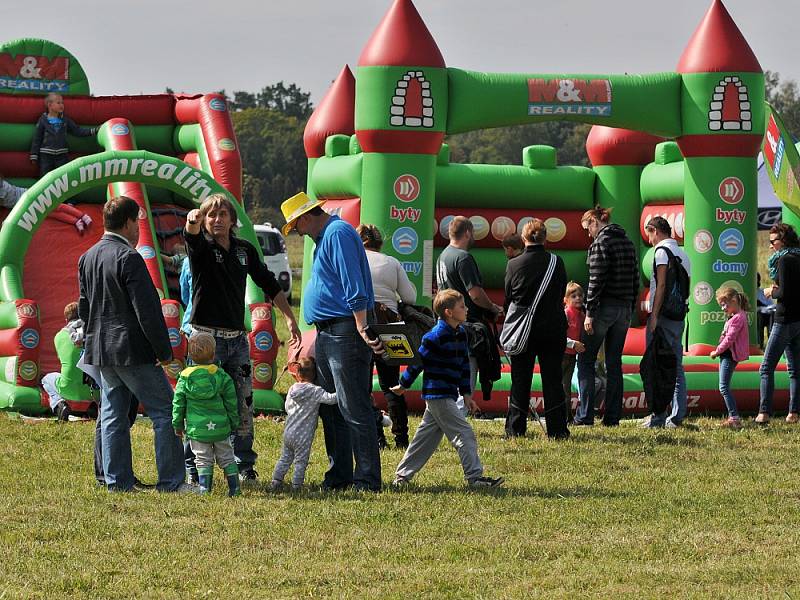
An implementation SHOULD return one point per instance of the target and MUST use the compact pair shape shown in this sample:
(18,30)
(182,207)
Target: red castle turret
(334,114)
(409,116)
(612,146)
(717,46)
(401,38)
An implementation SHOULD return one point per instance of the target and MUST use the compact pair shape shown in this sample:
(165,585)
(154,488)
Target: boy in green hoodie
(204,406)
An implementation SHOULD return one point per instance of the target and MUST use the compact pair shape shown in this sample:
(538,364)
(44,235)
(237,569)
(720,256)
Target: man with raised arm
(220,263)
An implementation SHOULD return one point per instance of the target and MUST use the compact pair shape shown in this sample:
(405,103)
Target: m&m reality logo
(774,147)
(34,73)
(169,310)
(174,336)
(147,252)
(569,97)
(227,144)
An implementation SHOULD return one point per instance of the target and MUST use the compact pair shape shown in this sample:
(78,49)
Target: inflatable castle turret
(722,114)
(401,118)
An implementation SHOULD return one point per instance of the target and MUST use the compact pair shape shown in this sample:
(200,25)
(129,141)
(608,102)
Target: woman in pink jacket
(734,347)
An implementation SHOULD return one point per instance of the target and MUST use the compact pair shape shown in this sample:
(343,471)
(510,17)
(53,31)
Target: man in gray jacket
(126,338)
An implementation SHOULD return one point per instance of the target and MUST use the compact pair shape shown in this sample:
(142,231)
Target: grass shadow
(317,493)
(652,438)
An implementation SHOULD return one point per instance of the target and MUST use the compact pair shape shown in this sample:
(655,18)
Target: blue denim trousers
(726,368)
(149,385)
(344,365)
(673,332)
(782,337)
(233,356)
(611,322)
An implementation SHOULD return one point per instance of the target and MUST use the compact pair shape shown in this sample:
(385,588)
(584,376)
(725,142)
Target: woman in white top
(389,281)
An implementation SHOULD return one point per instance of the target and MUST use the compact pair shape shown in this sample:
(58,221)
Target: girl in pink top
(573,308)
(734,347)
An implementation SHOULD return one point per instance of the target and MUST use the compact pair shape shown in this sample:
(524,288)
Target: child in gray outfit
(302,411)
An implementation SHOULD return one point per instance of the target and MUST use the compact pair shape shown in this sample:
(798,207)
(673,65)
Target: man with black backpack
(669,296)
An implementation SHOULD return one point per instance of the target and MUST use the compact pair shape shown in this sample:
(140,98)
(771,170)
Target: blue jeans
(344,365)
(783,336)
(611,322)
(726,368)
(150,386)
(673,332)
(233,356)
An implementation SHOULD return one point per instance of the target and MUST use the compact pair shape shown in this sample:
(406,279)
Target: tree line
(269,127)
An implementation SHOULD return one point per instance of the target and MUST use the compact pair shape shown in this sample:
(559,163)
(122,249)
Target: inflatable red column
(172,317)
(22,342)
(263,345)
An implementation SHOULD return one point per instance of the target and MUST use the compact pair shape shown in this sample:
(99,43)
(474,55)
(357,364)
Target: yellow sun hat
(296,206)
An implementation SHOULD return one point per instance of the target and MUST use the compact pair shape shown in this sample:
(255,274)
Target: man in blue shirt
(338,300)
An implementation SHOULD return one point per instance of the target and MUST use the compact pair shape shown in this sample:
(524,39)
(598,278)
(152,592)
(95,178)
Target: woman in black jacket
(784,269)
(525,275)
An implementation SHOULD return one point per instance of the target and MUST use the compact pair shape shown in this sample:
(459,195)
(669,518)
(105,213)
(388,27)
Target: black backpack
(676,295)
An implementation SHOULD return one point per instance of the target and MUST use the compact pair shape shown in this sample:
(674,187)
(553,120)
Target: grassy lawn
(626,512)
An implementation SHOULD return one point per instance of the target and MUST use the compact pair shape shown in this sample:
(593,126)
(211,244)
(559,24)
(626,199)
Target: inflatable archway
(682,144)
(19,375)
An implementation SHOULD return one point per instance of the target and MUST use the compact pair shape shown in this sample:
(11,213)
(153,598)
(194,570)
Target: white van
(277,260)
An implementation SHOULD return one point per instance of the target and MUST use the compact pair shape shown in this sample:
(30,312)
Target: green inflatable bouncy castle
(680,144)
(168,152)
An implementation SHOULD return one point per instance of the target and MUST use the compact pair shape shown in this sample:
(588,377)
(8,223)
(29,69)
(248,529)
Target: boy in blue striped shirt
(445,360)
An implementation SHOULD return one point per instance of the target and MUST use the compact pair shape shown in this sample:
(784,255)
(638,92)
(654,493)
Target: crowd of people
(118,327)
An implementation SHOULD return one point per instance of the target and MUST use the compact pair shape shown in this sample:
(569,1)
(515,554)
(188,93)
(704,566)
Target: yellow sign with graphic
(397,346)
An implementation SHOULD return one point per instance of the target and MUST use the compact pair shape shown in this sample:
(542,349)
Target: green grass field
(626,512)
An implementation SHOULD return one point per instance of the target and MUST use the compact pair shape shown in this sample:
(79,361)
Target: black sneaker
(486,482)
(142,487)
(62,411)
(192,478)
(249,477)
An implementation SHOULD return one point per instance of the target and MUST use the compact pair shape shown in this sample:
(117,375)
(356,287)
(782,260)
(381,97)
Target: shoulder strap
(671,257)
(548,275)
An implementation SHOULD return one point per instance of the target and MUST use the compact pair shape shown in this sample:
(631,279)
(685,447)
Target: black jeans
(99,475)
(611,323)
(50,162)
(388,377)
(550,351)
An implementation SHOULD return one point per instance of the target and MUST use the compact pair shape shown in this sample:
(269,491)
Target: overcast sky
(143,46)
